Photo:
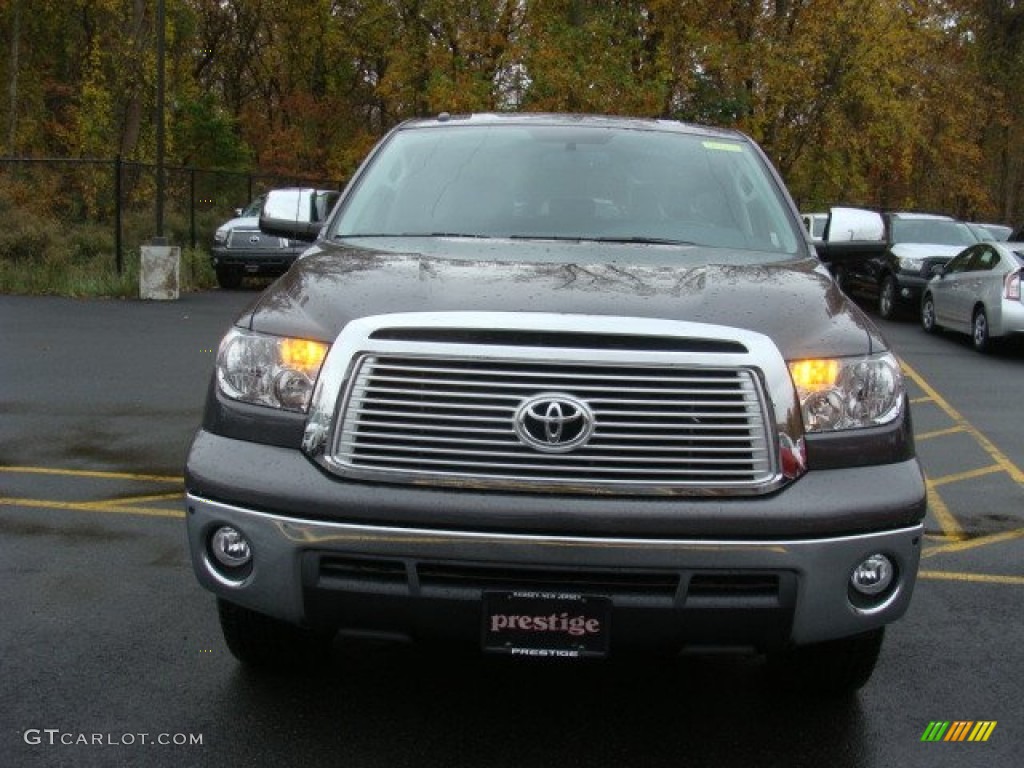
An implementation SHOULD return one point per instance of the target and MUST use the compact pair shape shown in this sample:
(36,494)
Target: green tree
(906,103)
(590,56)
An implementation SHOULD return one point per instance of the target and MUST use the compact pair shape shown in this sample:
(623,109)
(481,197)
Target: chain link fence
(81,210)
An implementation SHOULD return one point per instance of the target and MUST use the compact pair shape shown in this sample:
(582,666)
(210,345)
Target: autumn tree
(908,103)
(590,56)
(993,33)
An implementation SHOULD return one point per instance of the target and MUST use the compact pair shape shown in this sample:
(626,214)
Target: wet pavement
(108,648)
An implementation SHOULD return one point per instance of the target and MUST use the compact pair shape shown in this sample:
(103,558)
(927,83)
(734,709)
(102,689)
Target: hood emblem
(554,422)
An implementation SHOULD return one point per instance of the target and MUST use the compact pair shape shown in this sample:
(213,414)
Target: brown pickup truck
(558,386)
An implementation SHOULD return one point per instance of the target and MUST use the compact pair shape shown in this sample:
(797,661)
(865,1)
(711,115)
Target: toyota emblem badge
(554,422)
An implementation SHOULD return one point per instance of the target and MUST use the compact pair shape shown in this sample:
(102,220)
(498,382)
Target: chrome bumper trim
(823,566)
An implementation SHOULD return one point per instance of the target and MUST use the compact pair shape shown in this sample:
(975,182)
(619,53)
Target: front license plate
(546,624)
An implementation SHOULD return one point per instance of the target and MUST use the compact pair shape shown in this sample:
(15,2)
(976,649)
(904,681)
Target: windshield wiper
(351,236)
(567,238)
(593,239)
(641,240)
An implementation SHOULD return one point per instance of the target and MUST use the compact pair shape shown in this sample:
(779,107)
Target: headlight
(220,237)
(266,370)
(909,264)
(848,393)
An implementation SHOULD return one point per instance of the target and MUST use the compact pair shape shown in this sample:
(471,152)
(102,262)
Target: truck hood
(241,222)
(794,302)
(925,250)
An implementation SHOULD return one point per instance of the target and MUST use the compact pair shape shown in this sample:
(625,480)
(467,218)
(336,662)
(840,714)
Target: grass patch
(40,256)
(61,273)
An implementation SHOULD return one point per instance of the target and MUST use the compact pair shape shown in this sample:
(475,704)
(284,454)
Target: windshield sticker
(722,146)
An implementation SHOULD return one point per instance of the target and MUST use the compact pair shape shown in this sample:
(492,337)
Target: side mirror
(296,213)
(854,224)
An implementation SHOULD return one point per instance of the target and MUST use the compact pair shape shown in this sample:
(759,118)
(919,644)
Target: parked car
(892,265)
(978,292)
(892,271)
(563,387)
(241,249)
(990,231)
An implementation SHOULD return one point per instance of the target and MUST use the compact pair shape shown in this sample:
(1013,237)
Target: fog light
(230,548)
(873,576)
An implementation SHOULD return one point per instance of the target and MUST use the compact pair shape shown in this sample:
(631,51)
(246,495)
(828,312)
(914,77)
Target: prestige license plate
(546,624)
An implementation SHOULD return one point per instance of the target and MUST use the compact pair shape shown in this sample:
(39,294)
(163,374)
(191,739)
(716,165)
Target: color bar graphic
(982,730)
(959,730)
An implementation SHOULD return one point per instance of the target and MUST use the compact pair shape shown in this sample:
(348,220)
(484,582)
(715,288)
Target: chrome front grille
(450,420)
(254,240)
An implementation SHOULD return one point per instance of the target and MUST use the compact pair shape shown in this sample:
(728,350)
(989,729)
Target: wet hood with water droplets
(792,301)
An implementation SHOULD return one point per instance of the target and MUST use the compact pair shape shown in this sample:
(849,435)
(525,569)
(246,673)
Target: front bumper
(667,592)
(823,503)
(268,262)
(909,287)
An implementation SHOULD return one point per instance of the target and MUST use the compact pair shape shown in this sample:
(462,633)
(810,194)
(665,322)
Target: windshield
(932,232)
(569,182)
(253,208)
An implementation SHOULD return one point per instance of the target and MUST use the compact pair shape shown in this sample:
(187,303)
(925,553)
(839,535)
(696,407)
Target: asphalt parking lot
(110,649)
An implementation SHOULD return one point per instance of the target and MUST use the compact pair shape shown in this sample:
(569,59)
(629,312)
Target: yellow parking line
(920,400)
(951,528)
(939,433)
(975,578)
(95,474)
(981,541)
(968,475)
(987,445)
(91,506)
(137,499)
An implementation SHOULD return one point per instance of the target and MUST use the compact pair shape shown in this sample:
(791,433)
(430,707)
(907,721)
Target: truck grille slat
(548,473)
(398,396)
(386,406)
(449,394)
(591,374)
(458,439)
(457,456)
(412,418)
(400,384)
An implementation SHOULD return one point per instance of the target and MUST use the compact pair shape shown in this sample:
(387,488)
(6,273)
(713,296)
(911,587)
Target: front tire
(266,643)
(928,314)
(835,668)
(979,331)
(887,294)
(229,278)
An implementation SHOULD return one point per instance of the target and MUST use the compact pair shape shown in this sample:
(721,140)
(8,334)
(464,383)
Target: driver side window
(986,260)
(960,262)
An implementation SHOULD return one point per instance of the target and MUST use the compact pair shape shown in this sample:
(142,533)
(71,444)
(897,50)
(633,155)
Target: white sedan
(978,292)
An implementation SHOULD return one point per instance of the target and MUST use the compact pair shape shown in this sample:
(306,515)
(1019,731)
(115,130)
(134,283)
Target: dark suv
(893,275)
(563,387)
(241,249)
